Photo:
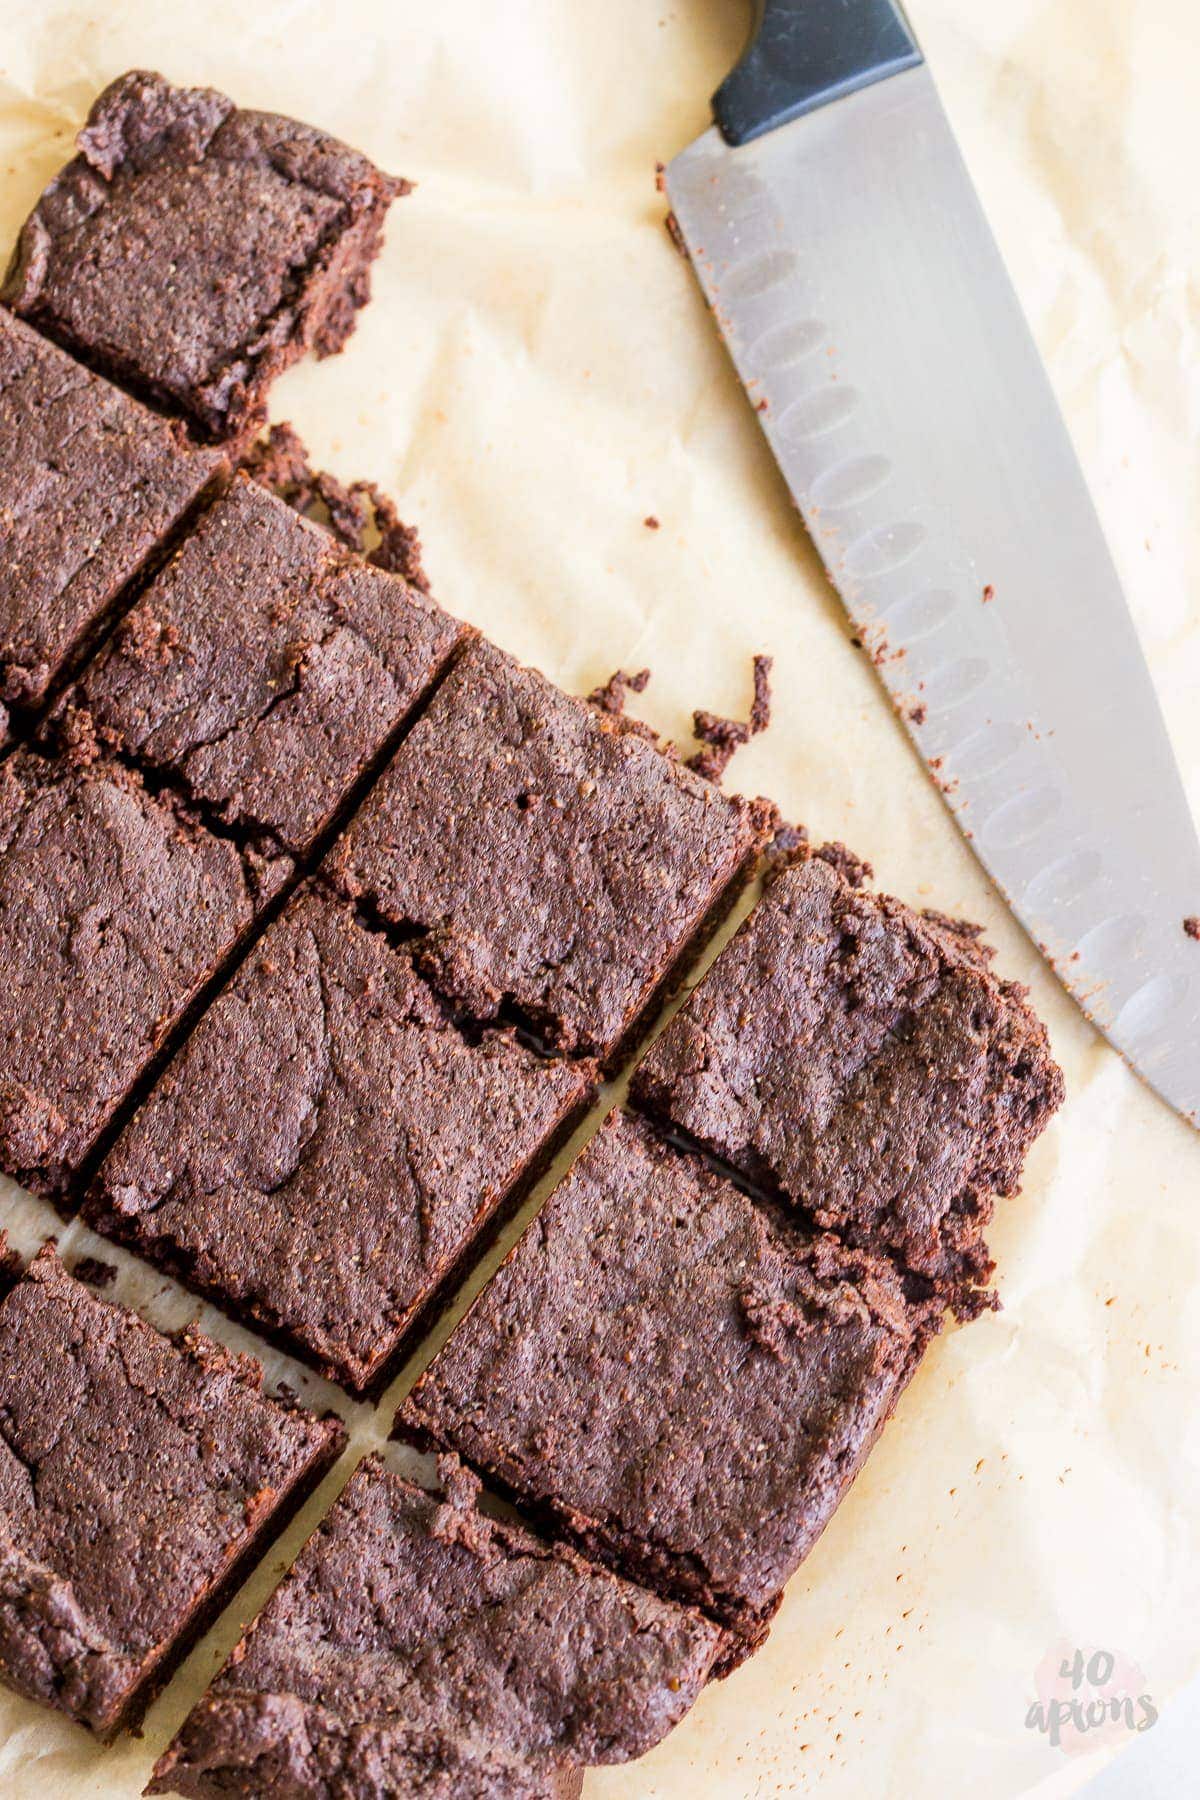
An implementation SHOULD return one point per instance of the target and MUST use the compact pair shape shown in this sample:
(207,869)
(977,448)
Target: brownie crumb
(787,842)
(76,738)
(356,513)
(918,714)
(660,177)
(610,697)
(854,870)
(651,523)
(95,1272)
(965,930)
(989,593)
(399,546)
(675,233)
(721,737)
(1192,926)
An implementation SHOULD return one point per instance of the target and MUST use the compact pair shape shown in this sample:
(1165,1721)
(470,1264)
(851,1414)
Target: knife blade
(852,272)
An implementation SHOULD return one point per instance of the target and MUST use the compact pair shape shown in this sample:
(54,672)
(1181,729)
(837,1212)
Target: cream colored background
(535,376)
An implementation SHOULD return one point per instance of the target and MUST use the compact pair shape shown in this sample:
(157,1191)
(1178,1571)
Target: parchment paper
(536,377)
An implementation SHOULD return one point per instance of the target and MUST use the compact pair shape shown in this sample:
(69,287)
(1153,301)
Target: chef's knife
(836,233)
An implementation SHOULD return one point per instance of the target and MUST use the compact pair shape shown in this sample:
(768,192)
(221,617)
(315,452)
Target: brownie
(680,1380)
(555,862)
(115,909)
(192,250)
(264,669)
(138,1477)
(332,1218)
(89,483)
(400,1759)
(405,1611)
(863,1060)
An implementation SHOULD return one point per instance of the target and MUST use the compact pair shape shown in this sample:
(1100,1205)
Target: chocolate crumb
(95,1272)
(919,713)
(610,696)
(353,513)
(650,522)
(675,234)
(989,593)
(399,547)
(1192,926)
(722,737)
(854,870)
(660,177)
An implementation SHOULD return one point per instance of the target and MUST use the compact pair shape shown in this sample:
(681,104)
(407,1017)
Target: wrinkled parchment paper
(535,378)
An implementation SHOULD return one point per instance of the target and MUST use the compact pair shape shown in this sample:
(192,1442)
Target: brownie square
(554,861)
(138,1477)
(192,251)
(89,483)
(861,1059)
(333,1218)
(681,1381)
(408,1613)
(115,909)
(264,669)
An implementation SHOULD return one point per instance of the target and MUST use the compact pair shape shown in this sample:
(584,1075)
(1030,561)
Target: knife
(834,228)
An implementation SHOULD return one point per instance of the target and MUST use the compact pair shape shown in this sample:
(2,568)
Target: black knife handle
(803,53)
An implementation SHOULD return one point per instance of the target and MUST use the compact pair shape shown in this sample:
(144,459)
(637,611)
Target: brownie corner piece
(675,1376)
(91,483)
(105,1425)
(115,909)
(864,1061)
(264,669)
(554,862)
(419,1641)
(395,1142)
(267,228)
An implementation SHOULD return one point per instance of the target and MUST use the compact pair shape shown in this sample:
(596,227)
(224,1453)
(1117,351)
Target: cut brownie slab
(860,1058)
(332,1218)
(90,482)
(681,1381)
(138,1476)
(408,1618)
(554,860)
(114,910)
(264,669)
(193,250)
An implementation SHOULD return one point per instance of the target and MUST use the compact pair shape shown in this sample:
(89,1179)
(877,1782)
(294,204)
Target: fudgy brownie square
(678,1379)
(862,1059)
(553,860)
(115,909)
(263,669)
(410,1622)
(138,1476)
(193,250)
(90,482)
(332,1217)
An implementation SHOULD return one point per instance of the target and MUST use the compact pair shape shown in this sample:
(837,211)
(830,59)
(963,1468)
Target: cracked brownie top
(115,908)
(264,668)
(392,1137)
(556,861)
(90,481)
(681,1380)
(134,1471)
(408,1615)
(862,1059)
